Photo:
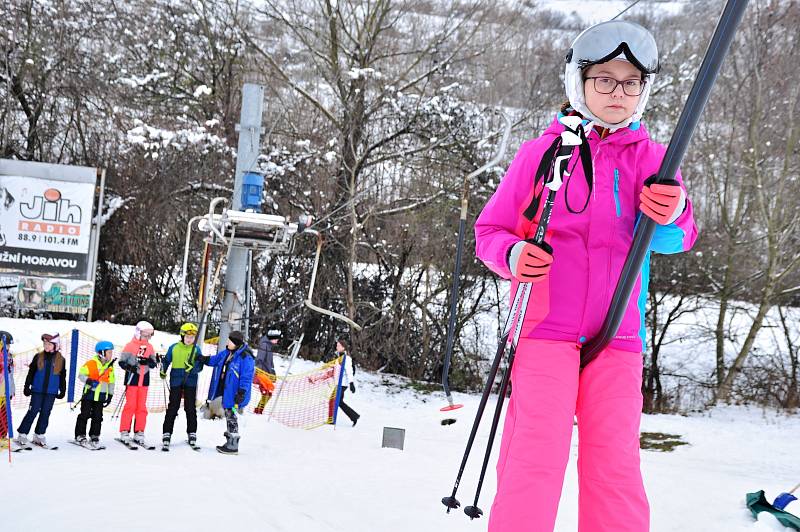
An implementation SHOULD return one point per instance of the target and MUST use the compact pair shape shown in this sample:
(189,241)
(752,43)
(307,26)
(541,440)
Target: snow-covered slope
(341,480)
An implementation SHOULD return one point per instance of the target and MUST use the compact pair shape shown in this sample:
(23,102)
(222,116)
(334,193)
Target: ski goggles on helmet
(609,40)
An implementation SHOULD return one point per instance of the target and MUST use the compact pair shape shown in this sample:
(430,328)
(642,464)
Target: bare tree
(769,165)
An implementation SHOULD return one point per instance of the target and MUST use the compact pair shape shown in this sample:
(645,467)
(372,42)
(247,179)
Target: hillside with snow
(341,480)
(373,114)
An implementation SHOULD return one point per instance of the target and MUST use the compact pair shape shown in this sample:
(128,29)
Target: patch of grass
(659,441)
(394,386)
(424,387)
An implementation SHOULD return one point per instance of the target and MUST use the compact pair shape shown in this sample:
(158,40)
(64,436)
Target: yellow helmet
(188,328)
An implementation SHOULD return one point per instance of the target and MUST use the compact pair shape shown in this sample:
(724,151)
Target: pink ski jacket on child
(589,248)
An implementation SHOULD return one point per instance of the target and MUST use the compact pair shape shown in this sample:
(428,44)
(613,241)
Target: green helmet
(188,328)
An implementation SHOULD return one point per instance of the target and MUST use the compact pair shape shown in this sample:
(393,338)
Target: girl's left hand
(662,202)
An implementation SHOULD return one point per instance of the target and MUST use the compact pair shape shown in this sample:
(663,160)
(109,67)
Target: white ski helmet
(615,39)
(143,326)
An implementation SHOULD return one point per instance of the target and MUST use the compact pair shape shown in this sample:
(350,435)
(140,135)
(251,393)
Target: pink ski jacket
(589,249)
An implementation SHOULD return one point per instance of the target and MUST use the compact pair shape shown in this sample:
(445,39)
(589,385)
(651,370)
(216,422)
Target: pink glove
(662,202)
(530,263)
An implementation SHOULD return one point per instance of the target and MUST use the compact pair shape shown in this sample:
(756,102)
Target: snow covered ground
(342,480)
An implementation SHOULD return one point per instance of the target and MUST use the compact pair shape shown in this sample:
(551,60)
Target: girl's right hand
(530,262)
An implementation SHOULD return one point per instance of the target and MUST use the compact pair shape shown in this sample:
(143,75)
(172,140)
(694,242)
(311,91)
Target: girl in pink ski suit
(609,71)
(137,359)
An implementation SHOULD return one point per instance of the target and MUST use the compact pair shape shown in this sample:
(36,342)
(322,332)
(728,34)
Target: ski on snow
(86,445)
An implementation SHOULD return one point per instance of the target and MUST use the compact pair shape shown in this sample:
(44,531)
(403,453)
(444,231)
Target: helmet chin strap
(596,121)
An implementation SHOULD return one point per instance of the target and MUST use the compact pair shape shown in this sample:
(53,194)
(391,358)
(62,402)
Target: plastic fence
(304,400)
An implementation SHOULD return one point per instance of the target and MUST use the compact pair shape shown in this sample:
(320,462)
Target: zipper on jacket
(616,192)
(595,160)
(48,368)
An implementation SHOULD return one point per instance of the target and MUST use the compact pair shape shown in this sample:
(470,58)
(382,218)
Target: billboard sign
(54,295)
(45,218)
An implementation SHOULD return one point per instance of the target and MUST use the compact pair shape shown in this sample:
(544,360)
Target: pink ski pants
(135,405)
(548,391)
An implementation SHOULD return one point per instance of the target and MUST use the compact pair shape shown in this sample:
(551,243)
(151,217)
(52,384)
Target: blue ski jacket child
(233,371)
(47,375)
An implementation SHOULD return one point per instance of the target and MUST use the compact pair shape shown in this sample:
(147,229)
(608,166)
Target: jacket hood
(635,132)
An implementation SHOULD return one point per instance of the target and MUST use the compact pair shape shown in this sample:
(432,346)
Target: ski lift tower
(250,130)
(241,229)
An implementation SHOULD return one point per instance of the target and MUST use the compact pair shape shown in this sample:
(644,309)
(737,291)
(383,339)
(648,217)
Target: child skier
(231,380)
(97,374)
(46,382)
(183,383)
(5,373)
(264,358)
(609,74)
(348,380)
(265,368)
(137,359)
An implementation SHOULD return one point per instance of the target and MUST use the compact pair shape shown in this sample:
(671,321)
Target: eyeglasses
(604,85)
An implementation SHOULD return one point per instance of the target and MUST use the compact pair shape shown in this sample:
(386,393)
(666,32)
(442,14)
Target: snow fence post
(73,366)
(7,392)
(339,390)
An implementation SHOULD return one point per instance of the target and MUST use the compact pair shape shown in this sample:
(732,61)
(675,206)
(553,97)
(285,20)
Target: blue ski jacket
(46,380)
(233,371)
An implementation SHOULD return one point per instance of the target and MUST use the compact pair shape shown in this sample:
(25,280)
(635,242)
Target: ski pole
(570,139)
(450,501)
(118,408)
(79,401)
(695,103)
(451,324)
(473,511)
(164,387)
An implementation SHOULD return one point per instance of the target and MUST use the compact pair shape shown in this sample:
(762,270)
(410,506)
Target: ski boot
(21,442)
(192,441)
(165,440)
(39,440)
(138,439)
(94,444)
(125,437)
(231,446)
